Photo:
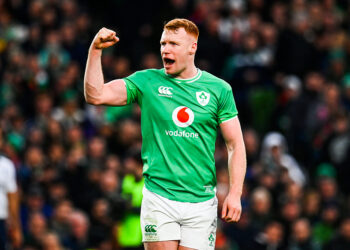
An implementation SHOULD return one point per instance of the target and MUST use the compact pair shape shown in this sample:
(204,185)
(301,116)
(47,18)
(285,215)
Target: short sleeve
(136,84)
(133,93)
(227,106)
(11,185)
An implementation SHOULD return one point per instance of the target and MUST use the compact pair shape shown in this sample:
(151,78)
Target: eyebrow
(169,41)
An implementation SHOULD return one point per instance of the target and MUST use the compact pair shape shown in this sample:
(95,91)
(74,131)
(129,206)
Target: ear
(193,48)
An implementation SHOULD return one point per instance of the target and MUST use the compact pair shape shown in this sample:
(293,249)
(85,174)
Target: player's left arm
(232,134)
(14,220)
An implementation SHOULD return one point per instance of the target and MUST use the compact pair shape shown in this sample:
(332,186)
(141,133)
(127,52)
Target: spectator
(276,159)
(342,240)
(252,145)
(132,185)
(50,241)
(311,206)
(101,225)
(301,236)
(60,223)
(79,229)
(243,232)
(290,212)
(34,203)
(324,230)
(37,228)
(261,205)
(270,238)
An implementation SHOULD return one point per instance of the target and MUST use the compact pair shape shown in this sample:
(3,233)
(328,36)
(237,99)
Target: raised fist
(104,39)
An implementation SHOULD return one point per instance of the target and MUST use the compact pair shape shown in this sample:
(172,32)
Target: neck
(188,73)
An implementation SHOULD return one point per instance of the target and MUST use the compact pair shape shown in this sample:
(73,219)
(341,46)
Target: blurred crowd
(78,166)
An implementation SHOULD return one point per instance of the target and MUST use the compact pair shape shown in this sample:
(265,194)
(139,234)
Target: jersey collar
(188,80)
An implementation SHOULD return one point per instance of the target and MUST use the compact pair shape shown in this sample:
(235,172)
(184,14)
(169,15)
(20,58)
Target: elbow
(231,146)
(92,100)
(91,95)
(235,145)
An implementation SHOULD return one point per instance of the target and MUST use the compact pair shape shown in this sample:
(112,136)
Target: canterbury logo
(150,228)
(165,91)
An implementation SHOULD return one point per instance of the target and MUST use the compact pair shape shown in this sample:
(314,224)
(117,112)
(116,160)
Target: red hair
(188,25)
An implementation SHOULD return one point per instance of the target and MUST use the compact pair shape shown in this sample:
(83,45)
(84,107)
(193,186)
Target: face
(301,230)
(345,229)
(177,49)
(274,233)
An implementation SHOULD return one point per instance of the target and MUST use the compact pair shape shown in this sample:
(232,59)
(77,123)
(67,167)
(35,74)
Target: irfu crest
(203,98)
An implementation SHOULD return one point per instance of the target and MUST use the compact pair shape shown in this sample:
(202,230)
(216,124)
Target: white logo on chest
(165,91)
(203,98)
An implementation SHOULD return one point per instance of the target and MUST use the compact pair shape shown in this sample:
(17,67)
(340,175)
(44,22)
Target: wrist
(234,191)
(95,51)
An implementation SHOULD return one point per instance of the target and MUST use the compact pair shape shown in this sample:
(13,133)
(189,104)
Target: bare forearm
(93,78)
(237,168)
(231,130)
(14,210)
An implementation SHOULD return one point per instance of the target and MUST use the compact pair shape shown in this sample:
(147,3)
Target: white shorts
(192,224)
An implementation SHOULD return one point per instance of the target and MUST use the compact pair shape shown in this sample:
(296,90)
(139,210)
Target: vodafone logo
(183,116)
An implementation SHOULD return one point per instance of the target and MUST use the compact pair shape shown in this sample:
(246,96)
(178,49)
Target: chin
(169,71)
(172,72)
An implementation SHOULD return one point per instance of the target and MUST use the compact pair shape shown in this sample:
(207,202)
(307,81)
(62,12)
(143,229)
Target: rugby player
(181,109)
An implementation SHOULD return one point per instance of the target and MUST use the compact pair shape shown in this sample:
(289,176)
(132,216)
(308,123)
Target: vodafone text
(177,133)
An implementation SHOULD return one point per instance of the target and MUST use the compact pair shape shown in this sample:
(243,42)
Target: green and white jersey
(179,120)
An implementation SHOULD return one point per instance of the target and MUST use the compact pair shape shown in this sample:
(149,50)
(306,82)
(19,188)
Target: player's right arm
(96,92)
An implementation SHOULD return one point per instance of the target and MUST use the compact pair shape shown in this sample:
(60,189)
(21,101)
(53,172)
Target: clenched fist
(232,208)
(104,38)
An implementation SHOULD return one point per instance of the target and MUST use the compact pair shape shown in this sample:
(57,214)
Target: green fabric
(323,233)
(113,114)
(262,103)
(179,121)
(326,170)
(16,140)
(129,233)
(346,80)
(133,188)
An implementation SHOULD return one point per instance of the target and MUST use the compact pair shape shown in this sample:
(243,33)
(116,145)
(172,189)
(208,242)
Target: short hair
(189,26)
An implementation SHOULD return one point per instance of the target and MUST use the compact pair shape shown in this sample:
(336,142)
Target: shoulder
(218,82)
(6,163)
(143,78)
(147,72)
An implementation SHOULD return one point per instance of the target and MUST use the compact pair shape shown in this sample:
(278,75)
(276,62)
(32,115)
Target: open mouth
(168,62)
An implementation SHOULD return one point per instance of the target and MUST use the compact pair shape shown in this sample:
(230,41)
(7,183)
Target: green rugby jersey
(179,120)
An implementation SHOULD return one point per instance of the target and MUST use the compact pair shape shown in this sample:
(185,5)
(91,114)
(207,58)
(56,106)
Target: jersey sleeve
(135,86)
(227,106)
(11,185)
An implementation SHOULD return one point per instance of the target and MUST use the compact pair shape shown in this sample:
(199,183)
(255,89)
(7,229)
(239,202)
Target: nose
(164,49)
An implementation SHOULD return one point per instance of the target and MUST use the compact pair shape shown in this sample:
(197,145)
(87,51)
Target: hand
(232,208)
(104,38)
(16,238)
